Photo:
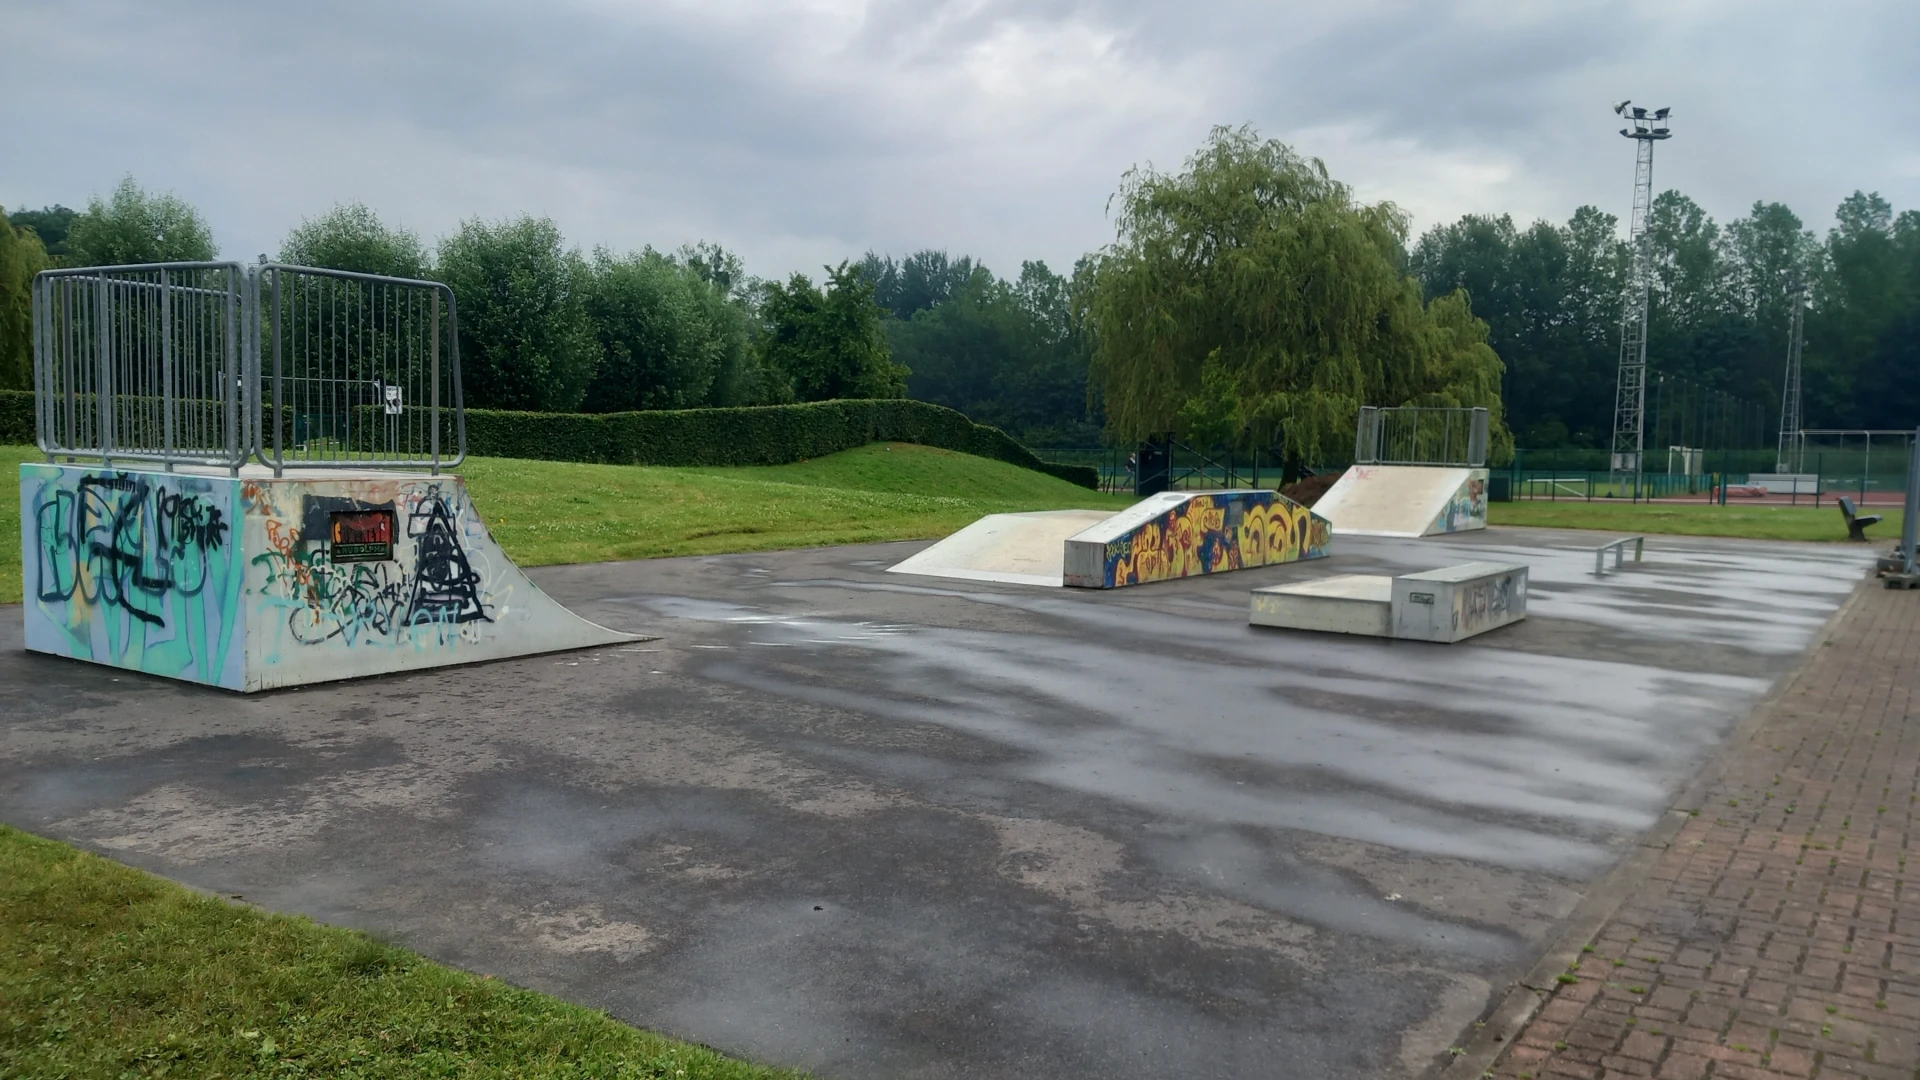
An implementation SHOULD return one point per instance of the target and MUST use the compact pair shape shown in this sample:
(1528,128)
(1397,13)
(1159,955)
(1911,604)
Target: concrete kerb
(1496,1031)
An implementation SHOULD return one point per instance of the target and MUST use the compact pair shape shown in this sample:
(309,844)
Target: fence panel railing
(1421,435)
(361,371)
(212,363)
(144,363)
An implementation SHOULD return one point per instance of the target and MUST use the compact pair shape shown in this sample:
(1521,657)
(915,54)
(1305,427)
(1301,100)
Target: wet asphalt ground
(875,825)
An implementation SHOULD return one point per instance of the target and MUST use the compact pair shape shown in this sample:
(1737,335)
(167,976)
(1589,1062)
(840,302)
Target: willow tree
(21,257)
(1251,299)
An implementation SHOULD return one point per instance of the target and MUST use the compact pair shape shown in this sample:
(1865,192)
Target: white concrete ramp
(1020,549)
(253,582)
(1406,500)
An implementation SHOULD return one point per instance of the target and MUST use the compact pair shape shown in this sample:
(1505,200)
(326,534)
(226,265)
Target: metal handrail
(1619,550)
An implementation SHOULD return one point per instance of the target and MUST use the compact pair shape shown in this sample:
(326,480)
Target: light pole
(1791,441)
(1645,127)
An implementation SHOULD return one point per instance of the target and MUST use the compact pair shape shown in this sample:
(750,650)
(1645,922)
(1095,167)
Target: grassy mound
(110,972)
(550,512)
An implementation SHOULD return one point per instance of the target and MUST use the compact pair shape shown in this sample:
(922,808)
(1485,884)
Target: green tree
(660,346)
(21,257)
(827,343)
(922,280)
(136,226)
(526,341)
(1254,273)
(728,302)
(1006,353)
(1858,295)
(352,237)
(51,224)
(1550,296)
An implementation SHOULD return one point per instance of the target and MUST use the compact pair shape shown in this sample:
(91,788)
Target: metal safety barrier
(1421,435)
(144,363)
(358,367)
(165,363)
(1619,550)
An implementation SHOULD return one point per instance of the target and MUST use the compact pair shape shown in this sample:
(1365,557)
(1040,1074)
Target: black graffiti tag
(117,540)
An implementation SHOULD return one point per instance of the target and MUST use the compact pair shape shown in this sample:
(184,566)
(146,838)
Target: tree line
(1248,298)
(543,326)
(1721,303)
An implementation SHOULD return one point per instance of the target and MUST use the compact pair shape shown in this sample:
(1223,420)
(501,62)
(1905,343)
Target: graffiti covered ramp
(1405,500)
(253,582)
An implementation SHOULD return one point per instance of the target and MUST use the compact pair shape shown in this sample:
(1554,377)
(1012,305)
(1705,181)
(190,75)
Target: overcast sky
(806,132)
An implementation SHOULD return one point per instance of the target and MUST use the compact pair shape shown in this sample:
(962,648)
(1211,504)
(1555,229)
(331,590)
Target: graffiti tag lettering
(119,541)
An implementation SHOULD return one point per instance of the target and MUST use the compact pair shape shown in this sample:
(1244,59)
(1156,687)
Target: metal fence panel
(143,363)
(361,370)
(1421,435)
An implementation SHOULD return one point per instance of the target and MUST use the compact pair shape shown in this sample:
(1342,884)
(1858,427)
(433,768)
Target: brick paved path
(1777,936)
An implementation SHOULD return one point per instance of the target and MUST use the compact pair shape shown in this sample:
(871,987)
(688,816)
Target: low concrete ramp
(253,582)
(1020,549)
(1406,500)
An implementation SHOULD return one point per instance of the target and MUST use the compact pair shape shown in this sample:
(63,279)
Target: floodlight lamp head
(1627,133)
(1639,113)
(1622,107)
(1661,114)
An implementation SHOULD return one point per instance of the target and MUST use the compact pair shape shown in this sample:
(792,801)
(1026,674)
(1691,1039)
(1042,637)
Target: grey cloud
(802,135)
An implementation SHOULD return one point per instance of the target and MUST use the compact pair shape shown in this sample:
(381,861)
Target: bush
(756,435)
(16,418)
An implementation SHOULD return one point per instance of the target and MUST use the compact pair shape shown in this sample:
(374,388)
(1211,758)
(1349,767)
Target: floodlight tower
(1790,413)
(1644,127)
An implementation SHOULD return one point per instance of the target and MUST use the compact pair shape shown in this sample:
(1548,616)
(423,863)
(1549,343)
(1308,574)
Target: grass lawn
(1691,519)
(547,512)
(109,972)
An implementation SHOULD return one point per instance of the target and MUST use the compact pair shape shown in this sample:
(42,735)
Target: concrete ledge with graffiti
(1180,534)
(253,582)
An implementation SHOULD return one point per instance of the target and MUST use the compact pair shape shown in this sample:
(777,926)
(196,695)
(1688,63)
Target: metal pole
(279,451)
(1910,513)
(166,370)
(434,351)
(103,394)
(1866,466)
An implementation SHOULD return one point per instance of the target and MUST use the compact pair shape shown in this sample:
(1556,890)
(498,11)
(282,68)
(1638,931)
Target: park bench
(1856,522)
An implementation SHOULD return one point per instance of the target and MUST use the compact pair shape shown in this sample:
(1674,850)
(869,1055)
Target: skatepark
(1102,793)
(874,824)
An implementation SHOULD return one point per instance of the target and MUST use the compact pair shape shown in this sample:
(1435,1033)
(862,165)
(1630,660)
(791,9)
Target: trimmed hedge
(16,418)
(761,435)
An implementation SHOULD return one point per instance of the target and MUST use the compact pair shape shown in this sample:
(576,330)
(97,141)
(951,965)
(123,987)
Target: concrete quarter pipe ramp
(1406,500)
(1171,535)
(252,582)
